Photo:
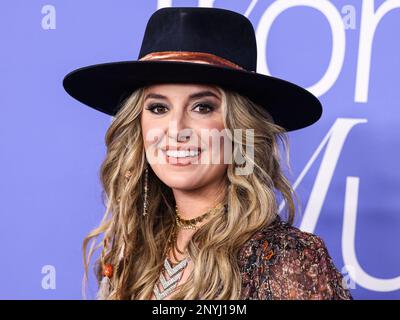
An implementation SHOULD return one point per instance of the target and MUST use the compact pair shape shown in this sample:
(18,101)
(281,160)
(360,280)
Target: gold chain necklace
(192,223)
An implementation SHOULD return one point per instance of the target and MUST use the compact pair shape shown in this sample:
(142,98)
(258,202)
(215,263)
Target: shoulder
(281,236)
(286,262)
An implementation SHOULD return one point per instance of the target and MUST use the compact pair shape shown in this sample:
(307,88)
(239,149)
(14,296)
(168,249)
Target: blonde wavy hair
(214,248)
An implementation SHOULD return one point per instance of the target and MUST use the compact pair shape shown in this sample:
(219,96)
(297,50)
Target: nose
(178,127)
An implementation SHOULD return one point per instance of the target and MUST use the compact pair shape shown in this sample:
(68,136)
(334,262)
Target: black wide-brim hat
(195,45)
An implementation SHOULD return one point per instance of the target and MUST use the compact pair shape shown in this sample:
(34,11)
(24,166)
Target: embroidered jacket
(282,262)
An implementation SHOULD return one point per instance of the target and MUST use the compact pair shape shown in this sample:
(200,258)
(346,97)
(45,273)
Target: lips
(181,148)
(181,155)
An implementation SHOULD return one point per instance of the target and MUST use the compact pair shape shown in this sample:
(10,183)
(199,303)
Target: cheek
(151,132)
(215,142)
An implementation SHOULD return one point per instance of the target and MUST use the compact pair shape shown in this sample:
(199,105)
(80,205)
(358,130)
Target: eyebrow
(193,96)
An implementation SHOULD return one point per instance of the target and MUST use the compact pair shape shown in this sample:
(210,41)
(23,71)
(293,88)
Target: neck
(193,203)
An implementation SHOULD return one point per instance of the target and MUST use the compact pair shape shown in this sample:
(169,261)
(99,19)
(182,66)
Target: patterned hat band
(189,56)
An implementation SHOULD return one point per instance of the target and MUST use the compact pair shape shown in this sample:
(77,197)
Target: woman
(192,168)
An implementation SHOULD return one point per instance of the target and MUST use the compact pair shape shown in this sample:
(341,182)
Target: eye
(157,108)
(204,108)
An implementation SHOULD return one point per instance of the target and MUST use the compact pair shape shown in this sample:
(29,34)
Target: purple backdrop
(344,167)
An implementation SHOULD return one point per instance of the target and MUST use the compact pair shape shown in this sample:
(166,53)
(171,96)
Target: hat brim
(104,86)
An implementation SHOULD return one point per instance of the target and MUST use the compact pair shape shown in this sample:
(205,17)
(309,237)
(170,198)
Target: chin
(181,180)
(182,185)
(187,177)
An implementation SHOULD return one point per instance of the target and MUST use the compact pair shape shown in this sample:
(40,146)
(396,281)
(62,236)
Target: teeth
(182,153)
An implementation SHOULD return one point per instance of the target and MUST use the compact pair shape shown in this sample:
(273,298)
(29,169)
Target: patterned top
(282,262)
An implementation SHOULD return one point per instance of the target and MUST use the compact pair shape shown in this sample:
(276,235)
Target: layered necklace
(171,274)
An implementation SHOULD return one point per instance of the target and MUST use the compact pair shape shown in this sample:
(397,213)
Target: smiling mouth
(182,157)
(182,153)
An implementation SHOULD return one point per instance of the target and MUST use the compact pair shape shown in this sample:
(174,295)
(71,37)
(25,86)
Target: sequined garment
(282,262)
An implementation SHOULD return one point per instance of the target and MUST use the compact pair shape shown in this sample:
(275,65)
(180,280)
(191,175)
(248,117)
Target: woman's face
(182,126)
